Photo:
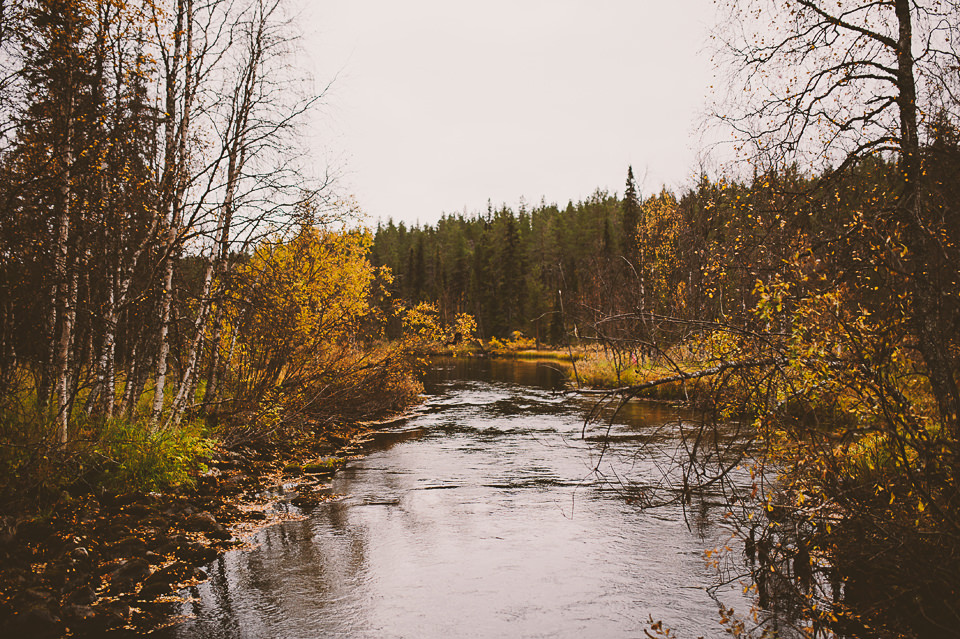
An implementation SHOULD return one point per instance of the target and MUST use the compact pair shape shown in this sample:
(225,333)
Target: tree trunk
(925,294)
(173,185)
(66,290)
(186,379)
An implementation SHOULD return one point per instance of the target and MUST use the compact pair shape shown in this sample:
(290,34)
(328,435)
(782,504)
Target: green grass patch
(135,456)
(115,455)
(598,370)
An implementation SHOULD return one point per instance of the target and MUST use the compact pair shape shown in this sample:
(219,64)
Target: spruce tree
(631,217)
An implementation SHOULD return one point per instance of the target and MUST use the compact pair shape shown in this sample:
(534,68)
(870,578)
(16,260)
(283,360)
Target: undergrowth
(114,455)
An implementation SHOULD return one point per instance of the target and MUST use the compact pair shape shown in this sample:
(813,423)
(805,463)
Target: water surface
(483,517)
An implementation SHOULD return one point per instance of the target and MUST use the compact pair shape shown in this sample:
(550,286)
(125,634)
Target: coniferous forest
(185,308)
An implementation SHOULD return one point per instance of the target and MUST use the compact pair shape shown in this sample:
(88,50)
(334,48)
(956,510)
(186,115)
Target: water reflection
(482,518)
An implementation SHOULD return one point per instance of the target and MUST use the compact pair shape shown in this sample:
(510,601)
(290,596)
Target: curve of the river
(481,517)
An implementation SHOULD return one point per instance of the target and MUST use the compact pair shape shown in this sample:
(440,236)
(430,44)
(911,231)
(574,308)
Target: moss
(326,466)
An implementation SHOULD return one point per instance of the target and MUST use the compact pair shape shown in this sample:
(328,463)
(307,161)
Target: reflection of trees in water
(785,575)
(704,468)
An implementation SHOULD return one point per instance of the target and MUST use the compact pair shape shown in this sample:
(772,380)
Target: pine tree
(631,218)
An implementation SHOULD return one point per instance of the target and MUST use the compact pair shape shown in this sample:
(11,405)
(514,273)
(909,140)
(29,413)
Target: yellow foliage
(658,236)
(302,298)
(421,323)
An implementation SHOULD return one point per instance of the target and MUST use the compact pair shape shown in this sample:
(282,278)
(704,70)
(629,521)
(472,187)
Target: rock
(187,550)
(113,614)
(325,467)
(56,574)
(79,554)
(174,573)
(114,531)
(229,512)
(169,545)
(337,439)
(77,579)
(8,529)
(121,500)
(179,508)
(154,590)
(207,485)
(34,531)
(165,581)
(37,622)
(32,597)
(136,568)
(309,500)
(206,523)
(231,485)
(128,575)
(77,613)
(84,595)
(110,566)
(201,522)
(137,510)
(129,546)
(197,554)
(220,535)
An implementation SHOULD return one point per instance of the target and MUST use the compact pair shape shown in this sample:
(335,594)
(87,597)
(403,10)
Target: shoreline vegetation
(180,297)
(112,549)
(94,562)
(595,370)
(101,533)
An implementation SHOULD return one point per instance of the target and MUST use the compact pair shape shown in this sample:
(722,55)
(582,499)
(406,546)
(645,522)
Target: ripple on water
(486,520)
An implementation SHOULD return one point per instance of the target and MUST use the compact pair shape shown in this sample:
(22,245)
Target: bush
(134,456)
(114,455)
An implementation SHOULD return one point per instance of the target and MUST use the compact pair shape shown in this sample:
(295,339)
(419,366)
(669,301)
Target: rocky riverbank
(105,562)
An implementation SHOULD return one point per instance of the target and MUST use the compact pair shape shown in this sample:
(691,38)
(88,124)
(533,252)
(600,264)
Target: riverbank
(479,515)
(93,563)
(595,370)
(478,349)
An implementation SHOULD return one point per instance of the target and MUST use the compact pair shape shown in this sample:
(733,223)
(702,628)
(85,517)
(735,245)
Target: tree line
(587,269)
(163,251)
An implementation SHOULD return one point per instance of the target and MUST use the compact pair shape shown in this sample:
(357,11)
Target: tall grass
(117,454)
(602,370)
(134,456)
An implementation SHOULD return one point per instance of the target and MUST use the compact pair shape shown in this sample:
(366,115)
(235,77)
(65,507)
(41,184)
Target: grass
(136,456)
(599,370)
(551,354)
(323,466)
(517,347)
(116,455)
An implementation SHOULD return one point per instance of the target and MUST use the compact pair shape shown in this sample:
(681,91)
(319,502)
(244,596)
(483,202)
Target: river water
(481,516)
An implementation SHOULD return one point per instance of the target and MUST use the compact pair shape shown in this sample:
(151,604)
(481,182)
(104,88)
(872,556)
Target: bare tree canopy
(826,83)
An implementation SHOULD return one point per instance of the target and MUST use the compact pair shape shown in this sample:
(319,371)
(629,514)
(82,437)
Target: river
(481,516)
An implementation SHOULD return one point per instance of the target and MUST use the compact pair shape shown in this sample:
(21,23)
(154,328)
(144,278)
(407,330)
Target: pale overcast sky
(440,105)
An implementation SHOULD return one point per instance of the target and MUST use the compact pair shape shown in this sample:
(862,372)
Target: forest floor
(112,562)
